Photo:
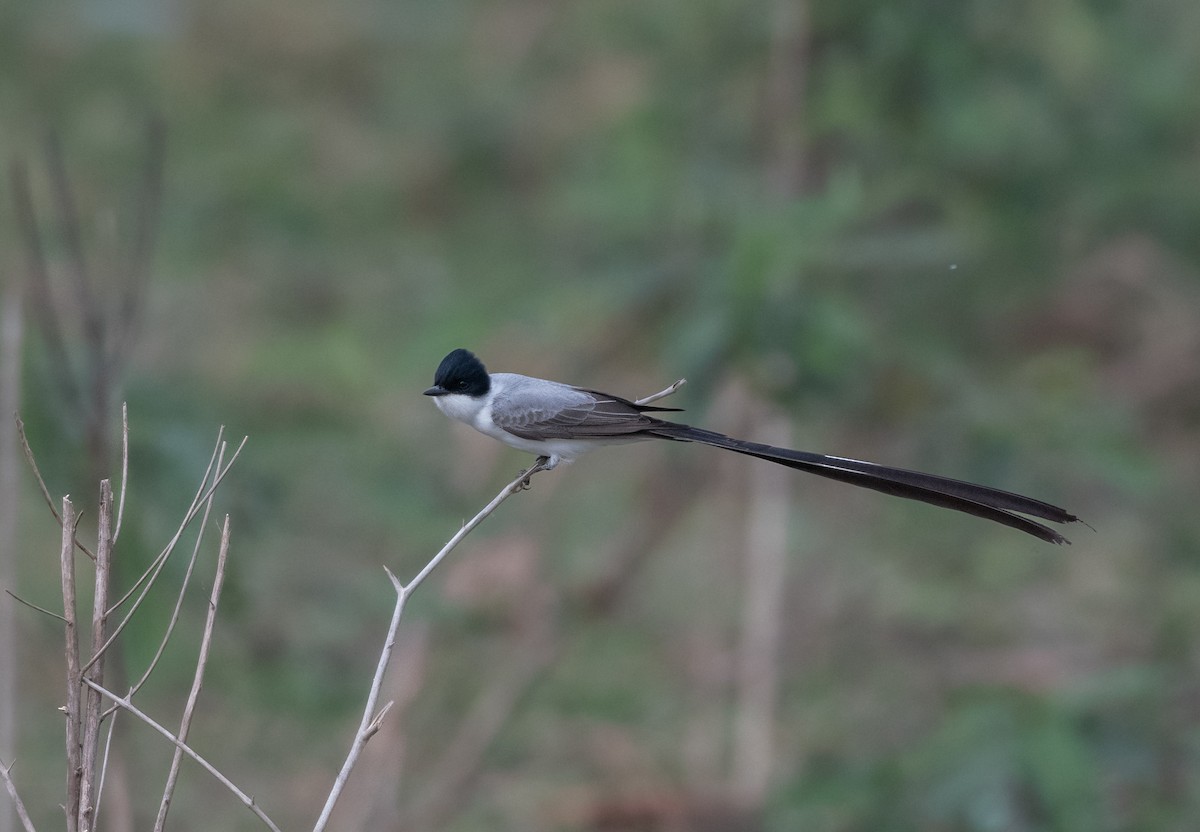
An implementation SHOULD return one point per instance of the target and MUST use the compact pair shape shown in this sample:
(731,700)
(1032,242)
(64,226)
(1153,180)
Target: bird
(559,422)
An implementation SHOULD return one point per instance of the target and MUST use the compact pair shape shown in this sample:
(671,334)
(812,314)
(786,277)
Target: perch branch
(370,718)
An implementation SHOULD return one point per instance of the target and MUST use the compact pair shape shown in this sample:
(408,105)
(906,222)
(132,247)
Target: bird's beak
(436,391)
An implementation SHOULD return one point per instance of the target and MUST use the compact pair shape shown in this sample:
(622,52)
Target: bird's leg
(541,464)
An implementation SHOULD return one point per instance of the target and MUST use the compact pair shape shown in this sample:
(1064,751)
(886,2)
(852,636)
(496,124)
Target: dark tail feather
(978,500)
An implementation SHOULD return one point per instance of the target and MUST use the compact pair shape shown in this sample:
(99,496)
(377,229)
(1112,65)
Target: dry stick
(374,792)
(5,772)
(463,753)
(67,567)
(196,500)
(370,719)
(197,679)
(112,724)
(95,669)
(161,560)
(124,469)
(28,451)
(32,605)
(183,586)
(246,799)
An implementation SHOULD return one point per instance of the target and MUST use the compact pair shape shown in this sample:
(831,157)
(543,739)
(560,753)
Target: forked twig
(371,719)
(369,723)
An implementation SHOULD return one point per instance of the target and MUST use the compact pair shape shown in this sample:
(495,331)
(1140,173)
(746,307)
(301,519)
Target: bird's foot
(542,464)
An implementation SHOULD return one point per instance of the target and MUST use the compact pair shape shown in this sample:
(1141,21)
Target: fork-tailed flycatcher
(559,422)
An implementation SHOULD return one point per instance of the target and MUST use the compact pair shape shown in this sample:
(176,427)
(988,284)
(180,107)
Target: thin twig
(197,679)
(461,754)
(160,561)
(183,586)
(246,800)
(33,606)
(67,567)
(124,469)
(33,466)
(6,773)
(369,717)
(196,501)
(112,724)
(95,669)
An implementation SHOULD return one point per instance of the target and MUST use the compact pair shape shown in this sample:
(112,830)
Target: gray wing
(536,409)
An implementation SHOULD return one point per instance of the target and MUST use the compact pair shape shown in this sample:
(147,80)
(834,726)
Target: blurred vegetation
(958,237)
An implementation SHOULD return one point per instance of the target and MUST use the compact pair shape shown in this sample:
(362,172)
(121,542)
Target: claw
(541,464)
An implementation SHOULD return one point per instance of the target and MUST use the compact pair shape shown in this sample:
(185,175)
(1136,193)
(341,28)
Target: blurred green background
(956,237)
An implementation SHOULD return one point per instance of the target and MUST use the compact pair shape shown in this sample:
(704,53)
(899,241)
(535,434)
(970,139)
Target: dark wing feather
(587,414)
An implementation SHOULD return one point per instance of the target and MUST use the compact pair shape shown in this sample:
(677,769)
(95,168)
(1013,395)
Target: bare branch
(32,605)
(6,773)
(28,451)
(370,720)
(95,668)
(197,679)
(74,764)
(196,500)
(124,469)
(368,725)
(364,732)
(112,724)
(160,561)
(246,800)
(183,586)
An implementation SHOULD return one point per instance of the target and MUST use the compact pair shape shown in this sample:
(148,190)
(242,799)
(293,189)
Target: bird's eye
(461,385)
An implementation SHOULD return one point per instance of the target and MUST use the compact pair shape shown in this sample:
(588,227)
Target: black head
(460,372)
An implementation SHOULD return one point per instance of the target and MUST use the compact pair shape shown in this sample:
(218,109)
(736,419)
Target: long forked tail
(978,500)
